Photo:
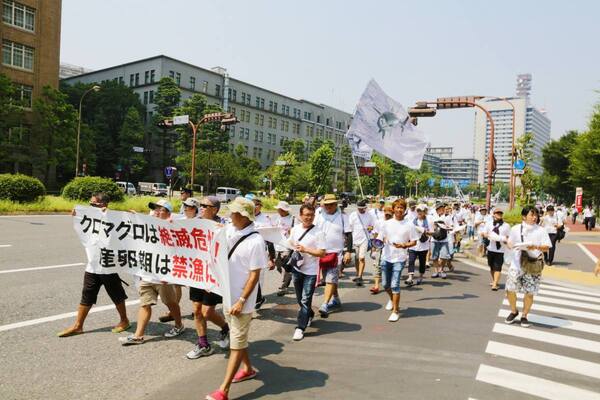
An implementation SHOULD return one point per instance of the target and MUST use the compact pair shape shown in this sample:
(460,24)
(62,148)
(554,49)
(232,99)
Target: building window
(23,95)
(18,15)
(178,78)
(146,77)
(257,102)
(232,131)
(137,79)
(274,107)
(270,106)
(192,83)
(248,98)
(145,98)
(152,76)
(121,80)
(131,80)
(17,55)
(204,86)
(218,90)
(172,75)
(151,99)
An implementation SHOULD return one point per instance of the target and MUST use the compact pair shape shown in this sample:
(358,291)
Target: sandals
(119,329)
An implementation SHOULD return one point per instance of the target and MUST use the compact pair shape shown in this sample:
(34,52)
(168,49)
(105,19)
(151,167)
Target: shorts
(204,297)
(495,260)
(440,250)
(92,284)
(332,275)
(390,275)
(149,293)
(519,281)
(361,250)
(239,327)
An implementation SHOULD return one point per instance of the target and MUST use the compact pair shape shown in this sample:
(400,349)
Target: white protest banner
(382,124)
(191,252)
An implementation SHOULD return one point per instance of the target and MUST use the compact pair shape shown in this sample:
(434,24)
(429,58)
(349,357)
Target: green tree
(585,159)
(130,135)
(529,181)
(282,176)
(54,126)
(296,146)
(346,167)
(320,169)
(556,160)
(167,99)
(14,143)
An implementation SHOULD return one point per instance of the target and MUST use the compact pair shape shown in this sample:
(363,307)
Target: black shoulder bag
(296,259)
(240,240)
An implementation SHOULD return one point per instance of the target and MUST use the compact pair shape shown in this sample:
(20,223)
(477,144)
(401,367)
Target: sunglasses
(97,205)
(206,205)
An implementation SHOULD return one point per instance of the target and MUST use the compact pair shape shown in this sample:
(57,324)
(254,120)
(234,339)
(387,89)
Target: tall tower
(524,86)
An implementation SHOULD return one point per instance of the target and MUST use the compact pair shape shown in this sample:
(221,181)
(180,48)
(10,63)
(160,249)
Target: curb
(554,273)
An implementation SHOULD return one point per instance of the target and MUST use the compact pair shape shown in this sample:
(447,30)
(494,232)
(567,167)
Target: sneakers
(281,292)
(435,275)
(359,282)
(174,331)
(334,303)
(324,311)
(259,303)
(394,317)
(298,334)
(242,376)
(511,318)
(409,281)
(223,341)
(198,352)
(131,340)
(389,306)
(443,275)
(525,323)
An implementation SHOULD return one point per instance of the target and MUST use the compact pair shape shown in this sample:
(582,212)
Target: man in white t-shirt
(411,213)
(481,219)
(362,224)
(424,225)
(377,212)
(440,249)
(497,232)
(551,222)
(285,222)
(262,220)
(398,235)
(247,258)
(388,212)
(338,240)
(309,241)
(588,215)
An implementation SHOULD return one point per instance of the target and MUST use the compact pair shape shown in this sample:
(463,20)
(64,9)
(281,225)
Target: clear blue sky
(326,51)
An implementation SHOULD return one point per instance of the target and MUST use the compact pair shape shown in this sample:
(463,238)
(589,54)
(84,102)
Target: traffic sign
(181,120)
(369,164)
(519,171)
(519,164)
(137,149)
(170,171)
(280,163)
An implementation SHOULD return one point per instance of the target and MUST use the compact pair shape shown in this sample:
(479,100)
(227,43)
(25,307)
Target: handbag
(531,265)
(296,259)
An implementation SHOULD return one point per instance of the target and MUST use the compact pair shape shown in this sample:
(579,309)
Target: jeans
(305,288)
(412,257)
(390,275)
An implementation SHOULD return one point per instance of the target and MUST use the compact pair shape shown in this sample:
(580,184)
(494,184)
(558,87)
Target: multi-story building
(30,34)
(460,170)
(69,70)
(528,119)
(267,119)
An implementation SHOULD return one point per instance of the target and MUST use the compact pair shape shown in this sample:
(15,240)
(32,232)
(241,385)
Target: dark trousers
(549,255)
(286,278)
(305,288)
(412,257)
(587,222)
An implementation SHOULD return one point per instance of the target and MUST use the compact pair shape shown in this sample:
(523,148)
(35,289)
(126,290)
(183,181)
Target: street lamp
(94,88)
(424,109)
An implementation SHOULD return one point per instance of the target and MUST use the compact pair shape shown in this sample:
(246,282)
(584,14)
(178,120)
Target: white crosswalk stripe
(563,344)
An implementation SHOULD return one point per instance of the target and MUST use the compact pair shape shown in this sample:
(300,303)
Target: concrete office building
(267,119)
(527,119)
(30,34)
(442,163)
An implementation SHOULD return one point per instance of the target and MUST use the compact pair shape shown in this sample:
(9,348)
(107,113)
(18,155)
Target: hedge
(20,188)
(82,188)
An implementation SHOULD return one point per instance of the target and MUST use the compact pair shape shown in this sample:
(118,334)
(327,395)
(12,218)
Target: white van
(226,194)
(127,188)
(153,188)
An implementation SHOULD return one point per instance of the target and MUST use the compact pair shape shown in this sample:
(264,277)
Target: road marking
(558,310)
(587,252)
(545,359)
(569,289)
(532,385)
(51,318)
(5,245)
(554,293)
(557,322)
(553,338)
(563,302)
(9,271)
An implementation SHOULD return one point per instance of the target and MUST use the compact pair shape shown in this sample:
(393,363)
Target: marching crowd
(320,242)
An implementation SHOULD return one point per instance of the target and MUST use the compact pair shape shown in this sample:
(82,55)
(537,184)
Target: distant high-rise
(527,119)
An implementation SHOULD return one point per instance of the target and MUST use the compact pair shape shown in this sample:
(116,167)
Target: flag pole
(357,175)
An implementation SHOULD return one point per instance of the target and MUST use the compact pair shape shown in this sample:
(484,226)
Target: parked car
(153,188)
(127,188)
(226,194)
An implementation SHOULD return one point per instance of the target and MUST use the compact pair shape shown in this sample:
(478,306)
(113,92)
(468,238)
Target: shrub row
(20,188)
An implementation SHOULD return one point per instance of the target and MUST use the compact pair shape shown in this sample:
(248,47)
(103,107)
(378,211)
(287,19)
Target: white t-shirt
(262,220)
(360,224)
(410,215)
(395,231)
(285,224)
(484,219)
(549,222)
(501,237)
(469,217)
(377,214)
(423,246)
(313,239)
(588,213)
(249,255)
(333,227)
(534,234)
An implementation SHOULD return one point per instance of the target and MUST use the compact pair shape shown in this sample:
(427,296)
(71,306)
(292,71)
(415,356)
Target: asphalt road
(450,342)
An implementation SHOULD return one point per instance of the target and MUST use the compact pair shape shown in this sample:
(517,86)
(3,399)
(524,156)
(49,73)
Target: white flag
(382,124)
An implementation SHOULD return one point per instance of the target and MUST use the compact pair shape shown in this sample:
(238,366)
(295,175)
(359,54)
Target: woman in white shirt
(551,223)
(527,240)
(588,214)
(424,226)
